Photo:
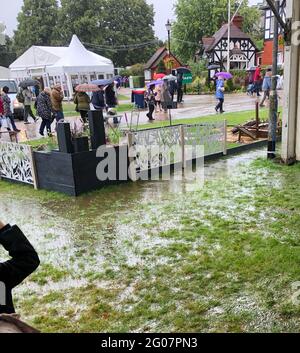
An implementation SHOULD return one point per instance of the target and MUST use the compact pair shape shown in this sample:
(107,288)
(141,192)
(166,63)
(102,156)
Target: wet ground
(193,107)
(124,258)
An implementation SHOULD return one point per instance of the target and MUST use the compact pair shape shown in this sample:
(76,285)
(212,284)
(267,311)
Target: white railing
(17,163)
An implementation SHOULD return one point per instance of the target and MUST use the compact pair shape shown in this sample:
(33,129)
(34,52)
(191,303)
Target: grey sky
(163,9)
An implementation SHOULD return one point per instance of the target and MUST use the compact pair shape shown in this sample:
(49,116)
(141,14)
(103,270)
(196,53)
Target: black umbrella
(29,83)
(213,67)
(183,70)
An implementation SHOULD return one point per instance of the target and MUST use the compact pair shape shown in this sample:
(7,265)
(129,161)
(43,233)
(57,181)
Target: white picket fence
(17,163)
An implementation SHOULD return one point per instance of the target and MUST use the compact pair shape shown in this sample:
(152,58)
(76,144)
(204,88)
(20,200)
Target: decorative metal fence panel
(152,147)
(210,135)
(16,163)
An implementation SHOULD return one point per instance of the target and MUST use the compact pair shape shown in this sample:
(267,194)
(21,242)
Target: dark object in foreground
(12,272)
(12,324)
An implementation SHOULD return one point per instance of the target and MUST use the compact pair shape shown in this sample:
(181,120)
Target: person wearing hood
(44,110)
(57,97)
(82,102)
(24,261)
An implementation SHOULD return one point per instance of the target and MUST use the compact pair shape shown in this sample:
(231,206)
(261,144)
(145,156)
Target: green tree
(36,24)
(200,18)
(7,54)
(108,27)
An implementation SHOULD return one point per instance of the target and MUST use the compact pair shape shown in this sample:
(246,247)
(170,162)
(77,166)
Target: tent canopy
(60,60)
(78,59)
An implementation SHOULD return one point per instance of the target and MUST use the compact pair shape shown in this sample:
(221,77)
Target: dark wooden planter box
(81,144)
(73,174)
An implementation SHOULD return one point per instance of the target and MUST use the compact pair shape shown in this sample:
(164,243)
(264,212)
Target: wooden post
(257,118)
(225,138)
(132,169)
(291,105)
(33,168)
(182,142)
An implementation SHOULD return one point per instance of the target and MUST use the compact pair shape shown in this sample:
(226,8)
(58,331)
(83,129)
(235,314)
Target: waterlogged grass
(233,119)
(157,257)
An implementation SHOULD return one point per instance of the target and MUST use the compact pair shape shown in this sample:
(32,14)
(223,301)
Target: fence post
(132,169)
(225,138)
(33,168)
(182,142)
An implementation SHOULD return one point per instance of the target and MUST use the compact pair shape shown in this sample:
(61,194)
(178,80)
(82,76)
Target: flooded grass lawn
(165,256)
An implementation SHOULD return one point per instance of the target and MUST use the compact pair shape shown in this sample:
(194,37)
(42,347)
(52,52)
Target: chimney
(238,21)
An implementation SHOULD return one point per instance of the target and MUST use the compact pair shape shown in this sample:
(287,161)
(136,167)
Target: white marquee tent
(4,73)
(67,66)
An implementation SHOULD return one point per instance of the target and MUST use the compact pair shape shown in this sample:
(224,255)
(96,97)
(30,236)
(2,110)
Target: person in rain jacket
(267,84)
(24,261)
(57,97)
(98,99)
(220,89)
(82,101)
(27,94)
(7,110)
(44,110)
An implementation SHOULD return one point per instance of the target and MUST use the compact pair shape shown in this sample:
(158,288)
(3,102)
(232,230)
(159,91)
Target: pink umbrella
(87,88)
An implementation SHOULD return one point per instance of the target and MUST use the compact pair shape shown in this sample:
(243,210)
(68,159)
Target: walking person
(180,88)
(111,99)
(172,89)
(24,261)
(82,101)
(27,94)
(44,111)
(220,89)
(267,84)
(150,98)
(98,99)
(57,97)
(158,98)
(257,80)
(166,96)
(7,109)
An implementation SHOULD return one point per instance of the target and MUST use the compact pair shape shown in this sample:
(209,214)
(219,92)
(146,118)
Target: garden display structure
(71,170)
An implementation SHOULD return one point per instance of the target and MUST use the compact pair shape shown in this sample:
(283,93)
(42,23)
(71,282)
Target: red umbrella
(159,76)
(87,88)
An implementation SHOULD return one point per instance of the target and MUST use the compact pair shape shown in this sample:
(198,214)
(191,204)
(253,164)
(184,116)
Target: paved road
(193,106)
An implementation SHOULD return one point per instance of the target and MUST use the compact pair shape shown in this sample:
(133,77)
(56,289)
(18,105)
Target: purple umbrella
(155,83)
(225,75)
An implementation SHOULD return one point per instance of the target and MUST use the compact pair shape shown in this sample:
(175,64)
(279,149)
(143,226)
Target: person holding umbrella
(150,98)
(98,99)
(27,94)
(82,102)
(220,89)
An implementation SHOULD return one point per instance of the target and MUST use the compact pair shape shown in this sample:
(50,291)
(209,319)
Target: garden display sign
(187,78)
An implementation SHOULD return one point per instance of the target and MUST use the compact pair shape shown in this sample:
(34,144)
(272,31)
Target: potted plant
(79,140)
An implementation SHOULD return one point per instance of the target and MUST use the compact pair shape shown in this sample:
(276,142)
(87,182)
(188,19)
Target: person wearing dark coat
(24,261)
(44,110)
(111,99)
(110,96)
(179,88)
(98,99)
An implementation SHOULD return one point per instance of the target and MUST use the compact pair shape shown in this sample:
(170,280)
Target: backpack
(20,97)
